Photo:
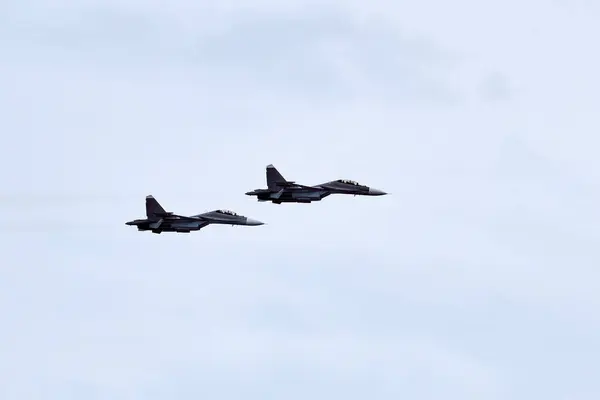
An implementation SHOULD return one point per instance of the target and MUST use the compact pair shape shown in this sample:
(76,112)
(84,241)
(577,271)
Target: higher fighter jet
(158,220)
(281,191)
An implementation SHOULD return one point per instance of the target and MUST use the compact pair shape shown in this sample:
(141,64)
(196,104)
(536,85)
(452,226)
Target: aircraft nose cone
(253,222)
(376,192)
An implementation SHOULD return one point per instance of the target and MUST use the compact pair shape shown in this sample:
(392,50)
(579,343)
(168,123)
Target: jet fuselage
(282,191)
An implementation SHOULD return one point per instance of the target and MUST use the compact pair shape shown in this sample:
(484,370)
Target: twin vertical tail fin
(154,210)
(274,178)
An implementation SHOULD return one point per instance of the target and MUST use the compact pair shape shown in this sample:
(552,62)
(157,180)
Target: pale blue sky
(476,279)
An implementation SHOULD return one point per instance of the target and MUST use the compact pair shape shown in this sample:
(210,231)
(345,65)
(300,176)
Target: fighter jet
(282,191)
(158,220)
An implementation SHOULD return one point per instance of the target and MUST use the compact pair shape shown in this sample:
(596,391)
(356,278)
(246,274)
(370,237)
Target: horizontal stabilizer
(156,224)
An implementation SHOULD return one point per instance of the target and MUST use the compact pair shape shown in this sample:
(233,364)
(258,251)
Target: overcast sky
(477,278)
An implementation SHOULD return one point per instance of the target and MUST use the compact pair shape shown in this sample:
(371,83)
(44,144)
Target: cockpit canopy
(349,182)
(227,212)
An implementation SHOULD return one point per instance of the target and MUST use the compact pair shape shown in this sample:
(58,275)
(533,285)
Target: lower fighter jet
(281,191)
(158,220)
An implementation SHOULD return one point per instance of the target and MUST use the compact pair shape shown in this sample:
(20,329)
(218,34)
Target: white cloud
(475,279)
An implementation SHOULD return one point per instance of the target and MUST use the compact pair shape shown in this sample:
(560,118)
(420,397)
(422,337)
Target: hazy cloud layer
(476,279)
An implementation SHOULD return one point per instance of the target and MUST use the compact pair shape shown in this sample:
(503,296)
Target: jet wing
(292,187)
(306,187)
(292,184)
(201,221)
(186,218)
